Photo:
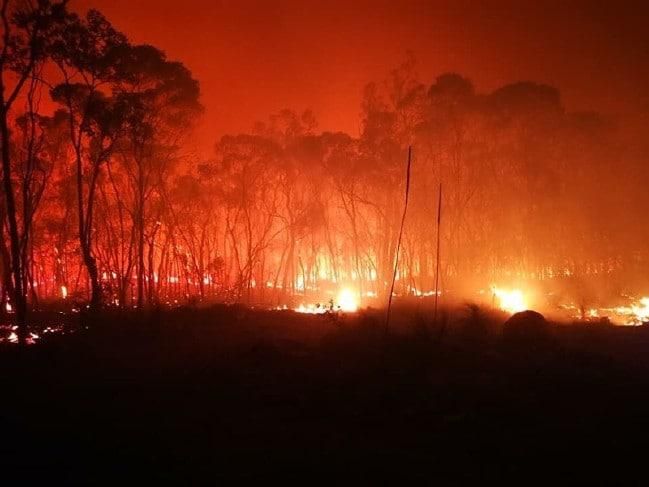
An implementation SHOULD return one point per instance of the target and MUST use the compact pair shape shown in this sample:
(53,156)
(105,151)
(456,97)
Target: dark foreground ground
(222,394)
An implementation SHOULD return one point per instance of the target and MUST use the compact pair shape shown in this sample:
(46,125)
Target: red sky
(255,57)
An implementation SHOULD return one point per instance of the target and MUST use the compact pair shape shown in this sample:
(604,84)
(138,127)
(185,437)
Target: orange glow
(334,64)
(510,300)
(641,310)
(312,309)
(347,301)
(635,314)
(286,191)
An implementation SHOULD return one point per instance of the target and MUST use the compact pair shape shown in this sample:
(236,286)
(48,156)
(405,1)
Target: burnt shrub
(528,331)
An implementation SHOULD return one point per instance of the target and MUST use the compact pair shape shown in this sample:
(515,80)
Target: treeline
(81,184)
(102,205)
(530,192)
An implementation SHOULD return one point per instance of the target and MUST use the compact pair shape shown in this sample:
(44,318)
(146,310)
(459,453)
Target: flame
(510,300)
(312,309)
(634,314)
(64,292)
(637,313)
(347,301)
(642,310)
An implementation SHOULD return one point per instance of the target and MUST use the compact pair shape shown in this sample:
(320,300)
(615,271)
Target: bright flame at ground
(312,309)
(642,310)
(347,301)
(512,301)
(637,313)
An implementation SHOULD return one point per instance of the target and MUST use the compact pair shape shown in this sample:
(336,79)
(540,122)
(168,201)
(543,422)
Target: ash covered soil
(195,396)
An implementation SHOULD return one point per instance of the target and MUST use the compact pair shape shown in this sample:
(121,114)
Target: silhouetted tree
(26,30)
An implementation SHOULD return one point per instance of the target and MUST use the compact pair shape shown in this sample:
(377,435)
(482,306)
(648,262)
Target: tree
(27,30)
(161,102)
(86,53)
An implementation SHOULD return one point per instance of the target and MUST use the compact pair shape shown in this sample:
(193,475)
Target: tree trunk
(85,239)
(93,273)
(19,301)
(140,237)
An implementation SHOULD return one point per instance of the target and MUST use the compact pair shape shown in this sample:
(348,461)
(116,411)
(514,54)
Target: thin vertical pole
(403,220)
(439,221)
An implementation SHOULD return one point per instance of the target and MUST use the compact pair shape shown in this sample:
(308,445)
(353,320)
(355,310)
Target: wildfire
(346,301)
(311,309)
(636,313)
(10,335)
(511,301)
(642,310)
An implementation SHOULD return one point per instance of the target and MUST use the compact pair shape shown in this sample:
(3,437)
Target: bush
(528,331)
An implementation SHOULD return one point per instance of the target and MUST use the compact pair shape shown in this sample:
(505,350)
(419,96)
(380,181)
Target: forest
(104,204)
(198,285)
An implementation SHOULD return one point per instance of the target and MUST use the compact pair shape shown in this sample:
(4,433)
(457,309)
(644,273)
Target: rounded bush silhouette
(528,329)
